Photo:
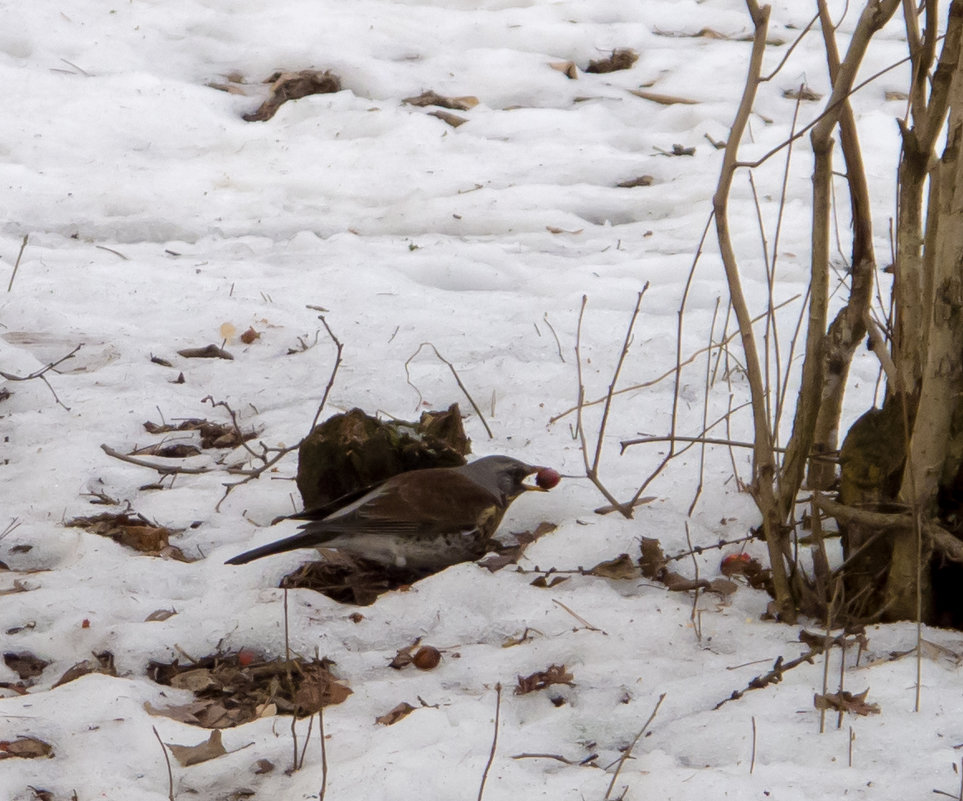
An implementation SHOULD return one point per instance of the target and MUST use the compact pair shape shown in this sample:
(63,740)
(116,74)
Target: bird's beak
(534,487)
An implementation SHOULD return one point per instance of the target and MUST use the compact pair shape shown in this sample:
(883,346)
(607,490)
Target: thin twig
(16,265)
(334,370)
(628,751)
(557,343)
(579,618)
(458,381)
(491,755)
(167,759)
(671,371)
(324,754)
(752,760)
(163,469)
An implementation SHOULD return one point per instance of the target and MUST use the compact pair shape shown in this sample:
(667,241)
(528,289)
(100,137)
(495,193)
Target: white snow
(156,215)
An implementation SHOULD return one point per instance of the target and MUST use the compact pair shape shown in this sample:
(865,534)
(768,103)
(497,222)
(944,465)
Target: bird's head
(505,476)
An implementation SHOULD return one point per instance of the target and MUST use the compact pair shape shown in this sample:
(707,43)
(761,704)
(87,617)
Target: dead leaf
(723,586)
(250,336)
(188,755)
(452,119)
(620,59)
(543,582)
(510,554)
(846,702)
(553,230)
(621,568)
(653,559)
(553,674)
(25,748)
(892,95)
(642,180)
(287,86)
(263,766)
(803,93)
(101,663)
(25,664)
(194,680)
(662,99)
(160,614)
(390,718)
(430,98)
(209,352)
(676,582)
(567,68)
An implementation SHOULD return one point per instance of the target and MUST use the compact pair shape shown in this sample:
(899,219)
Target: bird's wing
(409,503)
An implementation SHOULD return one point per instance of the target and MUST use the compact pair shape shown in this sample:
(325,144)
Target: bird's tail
(302,540)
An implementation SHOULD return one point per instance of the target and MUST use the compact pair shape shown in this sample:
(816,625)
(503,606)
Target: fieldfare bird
(423,519)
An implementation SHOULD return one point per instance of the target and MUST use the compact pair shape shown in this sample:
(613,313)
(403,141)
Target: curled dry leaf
(620,59)
(131,530)
(653,559)
(25,748)
(445,116)
(250,336)
(209,352)
(553,674)
(676,582)
(293,86)
(188,755)
(390,718)
(663,99)
(567,68)
(622,567)
(25,664)
(430,98)
(642,180)
(802,93)
(844,701)
(101,663)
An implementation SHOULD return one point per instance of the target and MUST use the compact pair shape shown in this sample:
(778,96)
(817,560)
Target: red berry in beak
(547,478)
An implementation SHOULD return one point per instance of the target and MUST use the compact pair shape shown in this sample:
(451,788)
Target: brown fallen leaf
(25,664)
(553,674)
(188,755)
(209,352)
(25,748)
(622,568)
(543,582)
(430,98)
(642,180)
(250,336)
(160,614)
(802,93)
(287,86)
(653,559)
(390,718)
(846,702)
(101,663)
(553,230)
(676,582)
(722,586)
(662,99)
(620,59)
(452,119)
(510,554)
(567,68)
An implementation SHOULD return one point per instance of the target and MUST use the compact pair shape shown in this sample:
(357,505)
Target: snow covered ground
(158,220)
